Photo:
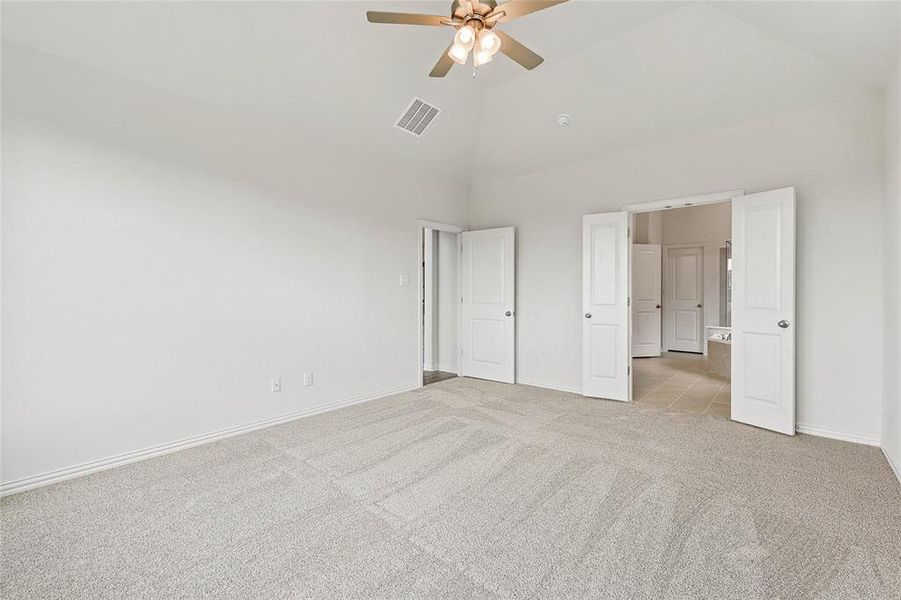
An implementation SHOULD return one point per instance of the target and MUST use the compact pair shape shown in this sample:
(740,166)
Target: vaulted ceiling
(629,73)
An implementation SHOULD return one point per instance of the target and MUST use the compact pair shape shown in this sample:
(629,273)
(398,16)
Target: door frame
(664,345)
(422,225)
(665,204)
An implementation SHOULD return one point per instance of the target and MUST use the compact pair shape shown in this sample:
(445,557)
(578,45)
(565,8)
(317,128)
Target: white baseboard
(838,435)
(34,481)
(894,466)
(560,387)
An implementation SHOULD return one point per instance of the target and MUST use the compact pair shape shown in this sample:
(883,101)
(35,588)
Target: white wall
(448,301)
(891,425)
(162,260)
(832,154)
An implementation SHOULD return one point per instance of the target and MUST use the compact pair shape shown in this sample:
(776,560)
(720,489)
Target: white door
(763,310)
(684,299)
(646,299)
(605,322)
(488,319)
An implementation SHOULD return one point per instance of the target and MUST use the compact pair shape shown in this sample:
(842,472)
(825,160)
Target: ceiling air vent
(417,117)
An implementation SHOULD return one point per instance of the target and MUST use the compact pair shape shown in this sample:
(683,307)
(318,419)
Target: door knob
(587,315)
(509,313)
(700,306)
(783,324)
(658,306)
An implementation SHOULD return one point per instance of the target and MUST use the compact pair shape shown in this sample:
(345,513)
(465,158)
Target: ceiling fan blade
(518,52)
(393,18)
(515,9)
(443,65)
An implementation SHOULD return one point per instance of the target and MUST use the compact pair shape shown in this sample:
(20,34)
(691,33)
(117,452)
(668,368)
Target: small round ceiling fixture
(563,119)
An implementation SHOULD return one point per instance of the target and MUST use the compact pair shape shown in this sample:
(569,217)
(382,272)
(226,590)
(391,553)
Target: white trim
(27,483)
(670,203)
(426,224)
(550,385)
(895,467)
(838,435)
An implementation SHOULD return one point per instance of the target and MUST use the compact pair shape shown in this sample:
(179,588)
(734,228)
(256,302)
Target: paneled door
(646,299)
(684,299)
(763,310)
(605,318)
(488,319)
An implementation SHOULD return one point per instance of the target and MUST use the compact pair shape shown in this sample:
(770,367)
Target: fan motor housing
(460,10)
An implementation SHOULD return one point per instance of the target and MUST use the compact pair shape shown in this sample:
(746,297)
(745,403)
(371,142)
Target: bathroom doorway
(681,337)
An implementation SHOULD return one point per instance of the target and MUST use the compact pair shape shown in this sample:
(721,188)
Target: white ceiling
(630,73)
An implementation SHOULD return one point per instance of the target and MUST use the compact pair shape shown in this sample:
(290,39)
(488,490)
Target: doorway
(439,303)
(671,318)
(467,303)
(752,349)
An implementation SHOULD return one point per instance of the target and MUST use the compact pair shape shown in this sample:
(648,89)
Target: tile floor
(678,381)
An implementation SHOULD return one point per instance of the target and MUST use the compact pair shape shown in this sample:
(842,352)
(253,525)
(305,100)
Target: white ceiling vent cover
(417,117)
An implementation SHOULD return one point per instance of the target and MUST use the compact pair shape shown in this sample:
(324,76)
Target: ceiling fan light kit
(474,22)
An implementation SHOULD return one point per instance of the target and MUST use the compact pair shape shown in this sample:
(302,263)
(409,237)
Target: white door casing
(763,310)
(429,265)
(605,318)
(487,316)
(646,299)
(684,299)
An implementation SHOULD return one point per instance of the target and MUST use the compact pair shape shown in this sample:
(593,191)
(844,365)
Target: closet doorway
(439,301)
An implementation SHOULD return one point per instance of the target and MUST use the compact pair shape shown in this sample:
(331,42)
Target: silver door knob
(509,313)
(783,324)
(700,306)
(587,315)
(658,306)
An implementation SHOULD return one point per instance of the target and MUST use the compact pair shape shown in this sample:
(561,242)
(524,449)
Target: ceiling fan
(474,22)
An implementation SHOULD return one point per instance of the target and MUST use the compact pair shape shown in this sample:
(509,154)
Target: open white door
(763,310)
(488,320)
(646,299)
(605,289)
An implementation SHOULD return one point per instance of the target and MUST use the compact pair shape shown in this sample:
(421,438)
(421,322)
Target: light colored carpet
(469,489)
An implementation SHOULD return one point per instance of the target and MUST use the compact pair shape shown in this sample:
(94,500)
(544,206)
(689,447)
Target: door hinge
(628,301)
(628,370)
(628,232)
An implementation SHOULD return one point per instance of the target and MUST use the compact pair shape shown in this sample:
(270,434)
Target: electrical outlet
(308,379)
(275,384)
(404,279)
